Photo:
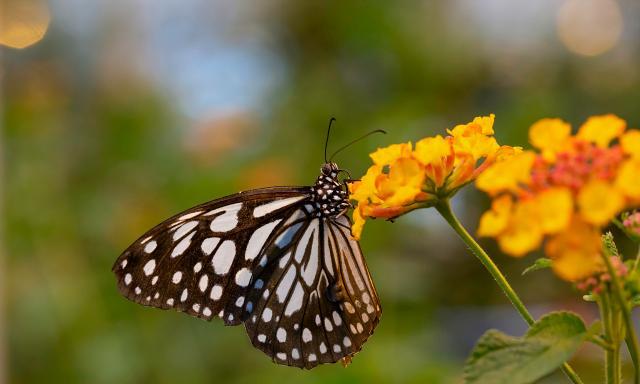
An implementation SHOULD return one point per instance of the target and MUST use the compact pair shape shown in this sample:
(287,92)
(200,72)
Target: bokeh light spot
(23,22)
(589,27)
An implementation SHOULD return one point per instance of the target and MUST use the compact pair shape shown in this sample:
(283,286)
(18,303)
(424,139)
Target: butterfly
(280,260)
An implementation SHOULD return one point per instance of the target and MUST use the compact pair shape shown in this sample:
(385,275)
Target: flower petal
(555,208)
(628,179)
(599,202)
(630,143)
(507,175)
(601,129)
(550,137)
(495,221)
(575,252)
(387,155)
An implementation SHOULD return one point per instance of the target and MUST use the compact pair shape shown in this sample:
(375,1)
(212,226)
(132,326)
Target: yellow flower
(630,143)
(565,193)
(628,179)
(524,233)
(554,208)
(508,175)
(391,153)
(474,139)
(402,179)
(403,184)
(576,253)
(495,221)
(549,136)
(601,129)
(599,202)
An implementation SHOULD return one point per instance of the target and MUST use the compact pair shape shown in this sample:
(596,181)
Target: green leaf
(498,358)
(541,263)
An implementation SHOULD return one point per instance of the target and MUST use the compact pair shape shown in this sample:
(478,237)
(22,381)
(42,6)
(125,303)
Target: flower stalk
(625,311)
(444,208)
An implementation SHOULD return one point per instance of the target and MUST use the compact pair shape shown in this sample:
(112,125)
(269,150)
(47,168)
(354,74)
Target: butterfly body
(280,260)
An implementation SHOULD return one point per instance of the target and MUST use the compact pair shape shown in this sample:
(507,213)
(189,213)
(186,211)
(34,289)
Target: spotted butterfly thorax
(279,260)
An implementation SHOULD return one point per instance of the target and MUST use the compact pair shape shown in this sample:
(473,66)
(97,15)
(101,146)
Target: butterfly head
(329,193)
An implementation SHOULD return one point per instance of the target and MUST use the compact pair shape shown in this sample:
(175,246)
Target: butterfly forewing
(202,261)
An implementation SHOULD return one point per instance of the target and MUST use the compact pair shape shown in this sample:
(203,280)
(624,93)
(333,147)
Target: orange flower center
(575,168)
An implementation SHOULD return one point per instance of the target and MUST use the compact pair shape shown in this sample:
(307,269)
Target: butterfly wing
(266,258)
(202,261)
(318,303)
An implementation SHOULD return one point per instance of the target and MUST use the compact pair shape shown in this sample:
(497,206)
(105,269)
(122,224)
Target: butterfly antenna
(355,141)
(326,143)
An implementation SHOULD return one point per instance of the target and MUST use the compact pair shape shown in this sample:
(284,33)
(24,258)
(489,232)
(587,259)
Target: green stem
(444,208)
(631,338)
(610,325)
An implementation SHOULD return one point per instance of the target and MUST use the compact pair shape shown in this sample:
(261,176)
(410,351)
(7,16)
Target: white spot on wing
(223,257)
(262,338)
(176,277)
(310,269)
(197,267)
(306,335)
(243,277)
(184,229)
(203,283)
(281,335)
(295,302)
(150,247)
(240,301)
(285,237)
(346,341)
(182,245)
(327,324)
(184,295)
(295,354)
(127,279)
(216,292)
(189,215)
(264,209)
(337,320)
(123,264)
(285,284)
(266,315)
(228,220)
(257,240)
(209,244)
(149,267)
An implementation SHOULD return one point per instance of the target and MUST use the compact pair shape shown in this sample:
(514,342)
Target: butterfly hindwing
(202,261)
(306,315)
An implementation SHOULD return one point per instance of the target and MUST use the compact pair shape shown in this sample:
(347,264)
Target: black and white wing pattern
(278,260)
(320,305)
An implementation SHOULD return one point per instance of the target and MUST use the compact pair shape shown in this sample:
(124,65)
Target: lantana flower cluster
(404,177)
(564,193)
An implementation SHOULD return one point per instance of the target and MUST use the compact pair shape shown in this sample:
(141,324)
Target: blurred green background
(126,112)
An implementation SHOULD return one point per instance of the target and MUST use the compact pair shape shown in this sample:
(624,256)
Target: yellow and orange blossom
(564,193)
(404,177)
